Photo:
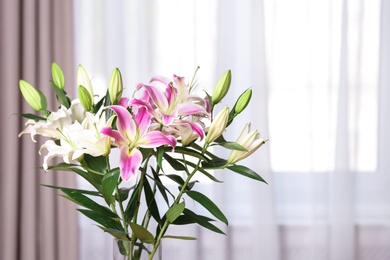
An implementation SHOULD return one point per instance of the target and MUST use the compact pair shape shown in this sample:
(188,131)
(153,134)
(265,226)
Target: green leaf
(123,194)
(57,75)
(201,220)
(180,237)
(217,163)
(33,117)
(94,179)
(102,219)
(191,184)
(142,233)
(115,233)
(187,151)
(211,177)
(245,171)
(175,211)
(86,202)
(88,192)
(109,182)
(233,146)
(159,156)
(109,112)
(174,163)
(163,190)
(98,105)
(61,95)
(176,178)
(151,201)
(208,204)
(97,164)
(132,204)
(185,220)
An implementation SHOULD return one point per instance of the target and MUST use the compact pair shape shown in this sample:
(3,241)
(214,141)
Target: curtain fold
(35,222)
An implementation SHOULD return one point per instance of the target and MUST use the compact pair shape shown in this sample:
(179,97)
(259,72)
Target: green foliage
(174,212)
(245,171)
(208,204)
(109,183)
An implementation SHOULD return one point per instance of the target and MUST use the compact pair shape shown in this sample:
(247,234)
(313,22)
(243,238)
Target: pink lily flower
(133,133)
(171,104)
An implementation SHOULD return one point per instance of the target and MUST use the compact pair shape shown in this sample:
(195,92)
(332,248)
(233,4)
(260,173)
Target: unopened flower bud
(115,87)
(85,98)
(57,75)
(242,101)
(218,125)
(83,80)
(222,87)
(34,97)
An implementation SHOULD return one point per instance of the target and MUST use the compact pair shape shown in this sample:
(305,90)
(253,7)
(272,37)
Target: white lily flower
(250,141)
(53,126)
(79,139)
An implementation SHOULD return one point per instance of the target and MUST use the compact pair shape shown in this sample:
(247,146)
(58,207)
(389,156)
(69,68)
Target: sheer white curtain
(318,70)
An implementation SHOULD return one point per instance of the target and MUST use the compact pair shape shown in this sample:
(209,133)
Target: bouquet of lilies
(165,131)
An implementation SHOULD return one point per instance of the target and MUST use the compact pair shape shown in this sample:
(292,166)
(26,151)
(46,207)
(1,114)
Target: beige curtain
(35,223)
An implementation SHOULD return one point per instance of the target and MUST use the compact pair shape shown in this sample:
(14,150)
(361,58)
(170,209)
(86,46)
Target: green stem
(133,237)
(178,198)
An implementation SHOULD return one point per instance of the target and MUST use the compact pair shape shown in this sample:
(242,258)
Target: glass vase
(125,250)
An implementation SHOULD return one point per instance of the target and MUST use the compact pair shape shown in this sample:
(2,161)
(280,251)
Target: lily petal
(130,162)
(191,109)
(155,139)
(161,79)
(142,119)
(119,139)
(158,97)
(181,87)
(125,122)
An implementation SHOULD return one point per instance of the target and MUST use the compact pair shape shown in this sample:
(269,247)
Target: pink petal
(167,119)
(161,79)
(191,109)
(197,129)
(158,97)
(141,103)
(181,87)
(124,102)
(142,119)
(170,94)
(130,162)
(119,139)
(155,139)
(125,122)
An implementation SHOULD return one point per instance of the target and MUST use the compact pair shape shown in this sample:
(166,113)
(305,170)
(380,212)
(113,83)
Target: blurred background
(320,76)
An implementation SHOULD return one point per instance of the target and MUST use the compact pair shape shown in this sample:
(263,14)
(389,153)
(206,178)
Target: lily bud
(218,125)
(34,97)
(115,87)
(250,141)
(222,87)
(57,75)
(242,101)
(83,80)
(85,98)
